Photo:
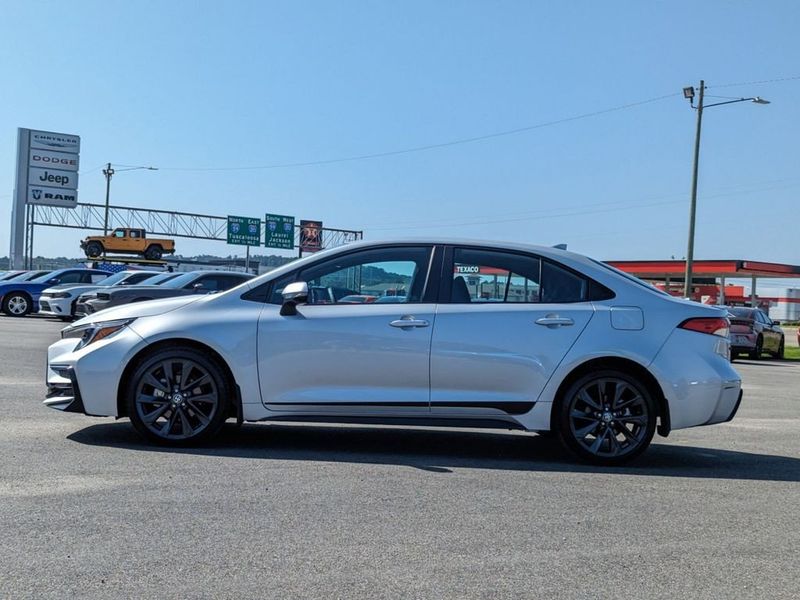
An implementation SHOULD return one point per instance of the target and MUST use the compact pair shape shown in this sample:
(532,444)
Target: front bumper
(63,392)
(57,307)
(82,309)
(87,380)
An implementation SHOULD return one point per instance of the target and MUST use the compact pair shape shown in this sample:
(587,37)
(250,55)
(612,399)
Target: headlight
(94,332)
(60,295)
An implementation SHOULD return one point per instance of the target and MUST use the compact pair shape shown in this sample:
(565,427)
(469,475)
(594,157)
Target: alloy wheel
(609,418)
(18,305)
(176,399)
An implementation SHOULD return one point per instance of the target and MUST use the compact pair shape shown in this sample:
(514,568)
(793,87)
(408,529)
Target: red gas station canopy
(675,269)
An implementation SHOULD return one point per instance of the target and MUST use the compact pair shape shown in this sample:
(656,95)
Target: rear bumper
(743,341)
(698,381)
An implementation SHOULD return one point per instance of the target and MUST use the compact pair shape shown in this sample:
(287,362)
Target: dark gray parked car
(195,282)
(753,333)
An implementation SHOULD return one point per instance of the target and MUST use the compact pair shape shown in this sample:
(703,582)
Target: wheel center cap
(607,417)
(177,398)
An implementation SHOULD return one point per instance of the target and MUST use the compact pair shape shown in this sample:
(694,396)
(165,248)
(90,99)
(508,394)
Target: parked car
(127,240)
(195,282)
(753,333)
(82,307)
(596,355)
(18,297)
(61,300)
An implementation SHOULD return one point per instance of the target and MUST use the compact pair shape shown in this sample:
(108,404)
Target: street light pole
(693,206)
(688,93)
(108,172)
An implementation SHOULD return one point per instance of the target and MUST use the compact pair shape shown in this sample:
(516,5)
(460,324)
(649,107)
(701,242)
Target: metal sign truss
(160,222)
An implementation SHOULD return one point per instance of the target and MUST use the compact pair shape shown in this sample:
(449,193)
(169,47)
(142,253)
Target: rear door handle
(553,321)
(408,321)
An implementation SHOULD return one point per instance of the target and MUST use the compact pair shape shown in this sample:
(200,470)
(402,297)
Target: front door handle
(553,321)
(408,321)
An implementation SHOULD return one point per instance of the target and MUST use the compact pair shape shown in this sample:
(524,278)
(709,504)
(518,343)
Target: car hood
(70,287)
(148,308)
(20,285)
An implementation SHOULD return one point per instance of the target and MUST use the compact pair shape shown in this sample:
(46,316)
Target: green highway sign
(279,231)
(244,231)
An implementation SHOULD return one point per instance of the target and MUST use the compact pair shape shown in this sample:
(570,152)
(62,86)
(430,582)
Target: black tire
(756,352)
(781,350)
(17,304)
(586,409)
(94,249)
(154,252)
(184,414)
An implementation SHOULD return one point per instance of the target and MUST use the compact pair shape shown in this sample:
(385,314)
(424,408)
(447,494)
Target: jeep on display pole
(127,240)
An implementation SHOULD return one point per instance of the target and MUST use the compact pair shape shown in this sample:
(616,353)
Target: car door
(504,323)
(771,335)
(352,358)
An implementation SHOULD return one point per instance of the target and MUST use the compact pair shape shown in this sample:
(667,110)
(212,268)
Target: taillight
(712,325)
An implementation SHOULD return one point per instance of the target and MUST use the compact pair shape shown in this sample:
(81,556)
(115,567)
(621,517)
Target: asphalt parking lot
(87,509)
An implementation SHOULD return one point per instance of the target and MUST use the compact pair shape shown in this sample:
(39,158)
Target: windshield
(112,279)
(45,276)
(27,276)
(739,311)
(181,280)
(160,279)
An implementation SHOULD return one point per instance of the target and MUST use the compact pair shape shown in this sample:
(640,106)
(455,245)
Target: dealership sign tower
(47,173)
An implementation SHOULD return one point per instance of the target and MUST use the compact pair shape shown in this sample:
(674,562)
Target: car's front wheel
(607,417)
(17,304)
(178,397)
(94,249)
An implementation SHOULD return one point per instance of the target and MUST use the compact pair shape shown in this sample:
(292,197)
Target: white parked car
(487,335)
(61,300)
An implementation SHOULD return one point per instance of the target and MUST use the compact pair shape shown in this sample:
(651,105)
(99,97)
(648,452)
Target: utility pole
(108,172)
(687,289)
(688,93)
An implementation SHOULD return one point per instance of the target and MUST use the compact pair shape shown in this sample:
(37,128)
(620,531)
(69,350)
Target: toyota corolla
(484,335)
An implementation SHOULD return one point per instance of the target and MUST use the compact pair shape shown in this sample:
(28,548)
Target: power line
(574,212)
(758,82)
(468,140)
(461,141)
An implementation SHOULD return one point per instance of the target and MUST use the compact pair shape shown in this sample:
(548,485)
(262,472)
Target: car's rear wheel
(17,304)
(154,253)
(178,397)
(607,417)
(758,350)
(94,249)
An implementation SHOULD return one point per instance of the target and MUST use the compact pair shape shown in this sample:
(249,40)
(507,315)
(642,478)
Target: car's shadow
(441,451)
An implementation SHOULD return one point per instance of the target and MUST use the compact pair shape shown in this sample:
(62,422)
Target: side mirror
(198,288)
(776,322)
(293,294)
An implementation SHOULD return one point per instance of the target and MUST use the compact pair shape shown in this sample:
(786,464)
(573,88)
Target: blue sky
(238,84)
